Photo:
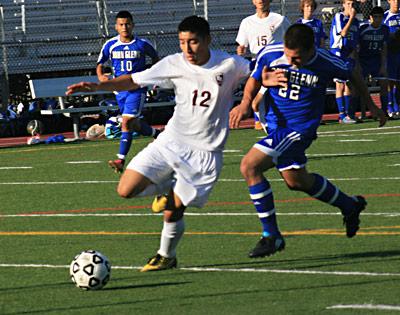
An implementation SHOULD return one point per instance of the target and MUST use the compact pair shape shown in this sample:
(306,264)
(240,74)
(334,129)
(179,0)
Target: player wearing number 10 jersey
(127,54)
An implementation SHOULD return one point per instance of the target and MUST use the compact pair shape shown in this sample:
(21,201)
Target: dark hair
(299,36)
(124,15)
(304,2)
(195,24)
(376,10)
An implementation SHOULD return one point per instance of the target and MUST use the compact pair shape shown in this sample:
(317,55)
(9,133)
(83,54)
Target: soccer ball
(35,127)
(90,270)
(95,132)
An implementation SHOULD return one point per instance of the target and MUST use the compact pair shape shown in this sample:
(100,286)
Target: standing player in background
(127,54)
(307,7)
(296,74)
(373,53)
(344,38)
(255,32)
(391,18)
(186,158)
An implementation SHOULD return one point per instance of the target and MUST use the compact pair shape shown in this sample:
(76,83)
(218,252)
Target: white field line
(221,180)
(15,167)
(254,270)
(211,214)
(357,130)
(380,307)
(356,140)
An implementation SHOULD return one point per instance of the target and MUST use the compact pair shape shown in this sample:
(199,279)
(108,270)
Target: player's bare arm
(122,83)
(275,77)
(100,73)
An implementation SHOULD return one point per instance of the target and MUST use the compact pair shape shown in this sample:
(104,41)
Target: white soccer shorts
(195,171)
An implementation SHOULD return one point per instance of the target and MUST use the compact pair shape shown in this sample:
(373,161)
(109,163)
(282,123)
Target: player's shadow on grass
(150,285)
(314,261)
(38,286)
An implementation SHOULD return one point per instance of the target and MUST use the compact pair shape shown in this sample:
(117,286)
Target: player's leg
(348,105)
(171,234)
(383,94)
(339,94)
(322,189)
(258,160)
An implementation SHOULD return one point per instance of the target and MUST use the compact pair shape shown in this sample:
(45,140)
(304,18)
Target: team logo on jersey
(219,77)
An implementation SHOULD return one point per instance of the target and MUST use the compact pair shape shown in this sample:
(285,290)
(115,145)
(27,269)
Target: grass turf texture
(239,285)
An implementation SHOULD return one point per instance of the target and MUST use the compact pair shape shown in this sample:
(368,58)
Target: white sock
(159,189)
(170,236)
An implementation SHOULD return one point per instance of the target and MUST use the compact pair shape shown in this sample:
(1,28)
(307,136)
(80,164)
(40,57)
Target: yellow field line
(103,233)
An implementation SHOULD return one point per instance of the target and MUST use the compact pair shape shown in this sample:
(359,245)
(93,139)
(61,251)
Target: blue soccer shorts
(286,147)
(131,102)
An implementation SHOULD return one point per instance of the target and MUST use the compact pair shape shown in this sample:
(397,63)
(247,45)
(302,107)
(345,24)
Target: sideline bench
(56,87)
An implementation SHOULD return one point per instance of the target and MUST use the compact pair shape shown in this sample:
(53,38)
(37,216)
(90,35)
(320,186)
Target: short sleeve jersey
(343,46)
(317,27)
(301,105)
(372,40)
(126,58)
(203,96)
(256,33)
(392,20)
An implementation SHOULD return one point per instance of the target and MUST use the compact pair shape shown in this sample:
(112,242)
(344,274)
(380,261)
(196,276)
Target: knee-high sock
(340,106)
(391,94)
(348,106)
(171,234)
(384,102)
(146,129)
(325,191)
(124,144)
(263,200)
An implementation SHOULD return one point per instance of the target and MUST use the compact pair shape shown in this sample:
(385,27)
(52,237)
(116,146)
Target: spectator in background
(373,53)
(307,7)
(255,32)
(391,18)
(344,37)
(127,54)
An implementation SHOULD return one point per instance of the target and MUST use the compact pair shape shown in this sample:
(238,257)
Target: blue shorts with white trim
(286,147)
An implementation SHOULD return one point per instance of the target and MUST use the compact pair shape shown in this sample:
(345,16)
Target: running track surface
(19,141)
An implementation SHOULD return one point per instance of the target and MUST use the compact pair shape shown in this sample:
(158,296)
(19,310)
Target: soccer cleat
(258,126)
(158,263)
(117,165)
(159,203)
(352,220)
(267,246)
(347,120)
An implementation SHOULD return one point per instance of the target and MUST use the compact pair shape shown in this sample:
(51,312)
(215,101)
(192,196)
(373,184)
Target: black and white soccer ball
(35,127)
(90,270)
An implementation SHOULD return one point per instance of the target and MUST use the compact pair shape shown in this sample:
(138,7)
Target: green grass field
(57,200)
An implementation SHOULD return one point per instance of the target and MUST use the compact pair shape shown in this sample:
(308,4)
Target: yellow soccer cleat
(159,204)
(258,126)
(158,263)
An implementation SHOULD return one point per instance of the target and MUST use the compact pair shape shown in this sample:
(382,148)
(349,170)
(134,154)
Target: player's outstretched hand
(237,114)
(81,87)
(275,77)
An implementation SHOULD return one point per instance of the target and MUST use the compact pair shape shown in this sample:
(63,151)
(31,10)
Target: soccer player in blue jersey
(373,53)
(127,54)
(307,7)
(296,74)
(344,35)
(391,18)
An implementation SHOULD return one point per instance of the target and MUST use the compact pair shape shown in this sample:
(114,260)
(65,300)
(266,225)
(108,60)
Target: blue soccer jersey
(317,27)
(126,58)
(372,42)
(301,105)
(343,46)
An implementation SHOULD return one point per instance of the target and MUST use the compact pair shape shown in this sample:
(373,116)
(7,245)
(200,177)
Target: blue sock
(395,98)
(325,191)
(390,101)
(263,200)
(125,144)
(348,106)
(146,129)
(340,106)
(256,118)
(384,102)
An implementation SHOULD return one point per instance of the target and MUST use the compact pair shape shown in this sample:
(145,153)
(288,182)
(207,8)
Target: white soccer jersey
(255,32)
(203,96)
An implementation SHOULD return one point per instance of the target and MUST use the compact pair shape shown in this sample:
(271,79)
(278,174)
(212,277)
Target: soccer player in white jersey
(296,74)
(127,54)
(186,158)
